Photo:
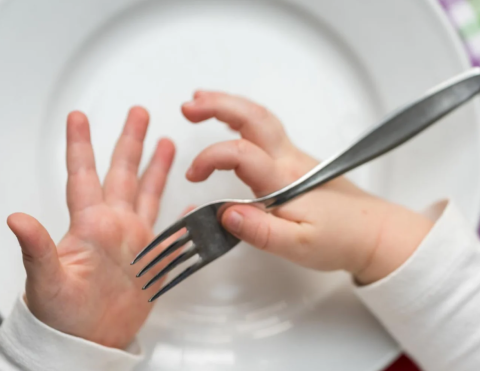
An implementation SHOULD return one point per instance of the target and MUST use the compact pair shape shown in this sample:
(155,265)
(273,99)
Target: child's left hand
(85,285)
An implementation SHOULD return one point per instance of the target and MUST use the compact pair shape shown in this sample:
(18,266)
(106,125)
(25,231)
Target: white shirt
(430,305)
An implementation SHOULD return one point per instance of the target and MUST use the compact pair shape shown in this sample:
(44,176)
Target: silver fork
(209,240)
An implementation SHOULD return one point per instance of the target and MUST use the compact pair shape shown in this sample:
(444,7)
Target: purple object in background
(465,17)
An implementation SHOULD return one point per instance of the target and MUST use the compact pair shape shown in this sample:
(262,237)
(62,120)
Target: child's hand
(337,226)
(85,286)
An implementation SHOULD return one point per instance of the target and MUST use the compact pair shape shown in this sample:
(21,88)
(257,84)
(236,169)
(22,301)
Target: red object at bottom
(403,364)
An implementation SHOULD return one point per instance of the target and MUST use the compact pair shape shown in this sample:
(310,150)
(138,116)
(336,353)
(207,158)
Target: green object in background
(465,16)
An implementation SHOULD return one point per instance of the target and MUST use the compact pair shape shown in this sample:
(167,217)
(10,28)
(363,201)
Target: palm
(90,289)
(100,279)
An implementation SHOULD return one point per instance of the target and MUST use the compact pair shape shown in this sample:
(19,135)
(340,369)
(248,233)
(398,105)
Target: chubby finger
(251,164)
(120,187)
(40,258)
(266,231)
(153,181)
(254,122)
(83,185)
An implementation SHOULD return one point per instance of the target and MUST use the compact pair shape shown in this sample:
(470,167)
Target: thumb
(263,230)
(39,253)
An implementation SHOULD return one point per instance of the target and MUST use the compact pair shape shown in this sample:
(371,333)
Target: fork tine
(178,260)
(170,249)
(187,272)
(160,238)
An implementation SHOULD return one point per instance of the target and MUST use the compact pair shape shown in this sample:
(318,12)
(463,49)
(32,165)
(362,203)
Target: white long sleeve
(431,304)
(29,345)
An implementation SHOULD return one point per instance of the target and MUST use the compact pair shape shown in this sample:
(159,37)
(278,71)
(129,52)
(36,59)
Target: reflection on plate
(328,69)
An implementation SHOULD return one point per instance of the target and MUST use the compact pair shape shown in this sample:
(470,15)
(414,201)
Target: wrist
(118,337)
(33,345)
(399,233)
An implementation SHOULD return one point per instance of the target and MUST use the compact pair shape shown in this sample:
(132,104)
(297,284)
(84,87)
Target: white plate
(328,69)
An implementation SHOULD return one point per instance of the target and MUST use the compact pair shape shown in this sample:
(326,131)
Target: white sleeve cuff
(431,304)
(32,345)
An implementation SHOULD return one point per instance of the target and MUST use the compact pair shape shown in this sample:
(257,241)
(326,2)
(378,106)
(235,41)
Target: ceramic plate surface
(328,69)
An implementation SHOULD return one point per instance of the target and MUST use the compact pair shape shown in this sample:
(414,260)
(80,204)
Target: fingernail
(189,104)
(234,221)
(190,172)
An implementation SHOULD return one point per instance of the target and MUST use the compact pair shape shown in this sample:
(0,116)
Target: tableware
(328,69)
(207,238)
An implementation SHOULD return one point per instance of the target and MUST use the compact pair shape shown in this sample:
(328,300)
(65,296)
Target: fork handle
(394,130)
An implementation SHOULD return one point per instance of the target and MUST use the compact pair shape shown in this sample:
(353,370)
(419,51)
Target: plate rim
(456,41)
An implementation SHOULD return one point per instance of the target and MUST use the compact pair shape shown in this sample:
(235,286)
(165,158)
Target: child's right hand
(336,226)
